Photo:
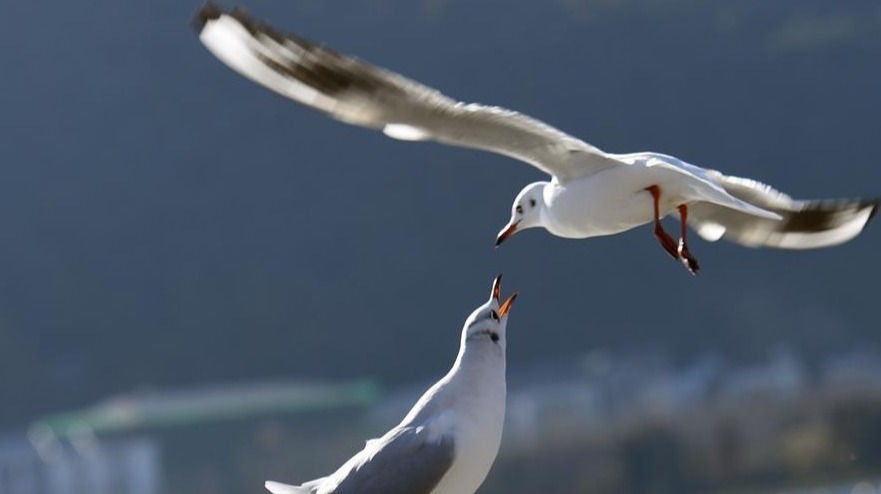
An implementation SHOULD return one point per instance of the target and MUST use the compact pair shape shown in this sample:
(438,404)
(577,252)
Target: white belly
(609,202)
(478,437)
(478,451)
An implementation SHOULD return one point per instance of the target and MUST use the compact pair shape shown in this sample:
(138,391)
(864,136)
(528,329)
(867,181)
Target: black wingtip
(820,216)
(208,12)
(875,203)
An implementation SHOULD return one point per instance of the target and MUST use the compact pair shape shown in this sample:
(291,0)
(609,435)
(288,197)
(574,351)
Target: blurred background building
(604,423)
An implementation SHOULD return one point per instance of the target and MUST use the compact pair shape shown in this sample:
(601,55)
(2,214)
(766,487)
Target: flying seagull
(590,193)
(449,440)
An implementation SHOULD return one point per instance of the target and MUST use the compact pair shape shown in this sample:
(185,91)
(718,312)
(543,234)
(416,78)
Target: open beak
(511,229)
(497,292)
(507,305)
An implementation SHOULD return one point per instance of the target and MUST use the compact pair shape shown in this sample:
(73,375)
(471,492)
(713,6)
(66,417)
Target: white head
(526,212)
(486,325)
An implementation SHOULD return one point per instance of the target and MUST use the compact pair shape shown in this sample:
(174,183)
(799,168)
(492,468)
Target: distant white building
(117,466)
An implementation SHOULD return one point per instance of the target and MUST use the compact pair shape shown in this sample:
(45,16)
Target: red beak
(497,292)
(507,232)
(507,305)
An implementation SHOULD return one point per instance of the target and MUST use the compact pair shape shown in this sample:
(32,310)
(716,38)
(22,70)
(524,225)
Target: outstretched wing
(804,224)
(359,93)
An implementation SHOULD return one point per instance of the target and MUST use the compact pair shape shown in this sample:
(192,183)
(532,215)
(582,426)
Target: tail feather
(279,488)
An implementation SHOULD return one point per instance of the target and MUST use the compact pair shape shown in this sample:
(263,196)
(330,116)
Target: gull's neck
(479,370)
(478,355)
(476,379)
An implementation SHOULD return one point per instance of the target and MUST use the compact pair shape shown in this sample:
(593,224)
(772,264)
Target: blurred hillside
(167,223)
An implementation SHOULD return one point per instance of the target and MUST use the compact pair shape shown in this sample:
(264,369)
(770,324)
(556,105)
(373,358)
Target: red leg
(663,237)
(684,255)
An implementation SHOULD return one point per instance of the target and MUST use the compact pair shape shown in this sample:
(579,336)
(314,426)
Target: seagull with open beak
(449,440)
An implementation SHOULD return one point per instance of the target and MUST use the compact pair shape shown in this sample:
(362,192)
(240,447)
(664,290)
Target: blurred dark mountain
(166,222)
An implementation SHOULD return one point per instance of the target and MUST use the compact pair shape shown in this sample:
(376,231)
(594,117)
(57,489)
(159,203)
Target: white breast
(478,431)
(606,203)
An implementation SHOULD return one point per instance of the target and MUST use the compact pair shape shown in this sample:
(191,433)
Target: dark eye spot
(519,209)
(494,315)
(494,336)
(532,203)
